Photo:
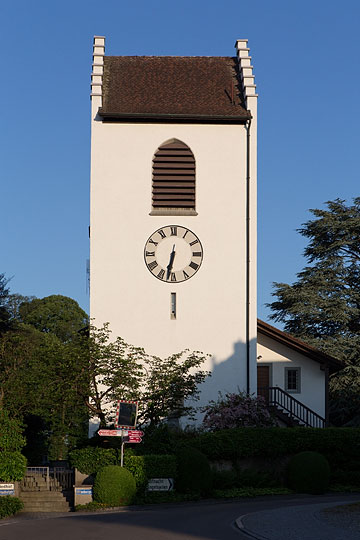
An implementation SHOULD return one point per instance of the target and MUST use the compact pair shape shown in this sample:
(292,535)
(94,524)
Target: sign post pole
(122,452)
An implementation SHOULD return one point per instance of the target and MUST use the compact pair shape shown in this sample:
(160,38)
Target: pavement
(319,521)
(284,517)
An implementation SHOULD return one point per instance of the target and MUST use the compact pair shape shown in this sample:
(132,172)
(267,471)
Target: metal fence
(48,478)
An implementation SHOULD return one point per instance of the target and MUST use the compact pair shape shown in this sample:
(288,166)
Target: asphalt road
(202,521)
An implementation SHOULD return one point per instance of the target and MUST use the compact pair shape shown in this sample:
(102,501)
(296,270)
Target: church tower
(173,207)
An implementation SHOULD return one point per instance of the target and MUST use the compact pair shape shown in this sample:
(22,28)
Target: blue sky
(306,64)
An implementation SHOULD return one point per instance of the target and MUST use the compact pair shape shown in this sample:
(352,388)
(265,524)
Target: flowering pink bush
(237,410)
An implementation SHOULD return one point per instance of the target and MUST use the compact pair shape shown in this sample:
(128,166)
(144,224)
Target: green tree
(171,386)
(323,306)
(4,313)
(13,303)
(57,314)
(106,370)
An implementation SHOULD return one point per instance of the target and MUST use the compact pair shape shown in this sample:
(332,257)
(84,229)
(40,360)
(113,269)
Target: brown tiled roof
(173,86)
(299,346)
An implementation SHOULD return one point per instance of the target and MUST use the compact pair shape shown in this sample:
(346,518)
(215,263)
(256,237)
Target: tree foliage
(323,306)
(4,313)
(56,314)
(171,386)
(107,369)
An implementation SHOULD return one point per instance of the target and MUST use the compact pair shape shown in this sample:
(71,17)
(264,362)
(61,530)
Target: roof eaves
(186,118)
(298,345)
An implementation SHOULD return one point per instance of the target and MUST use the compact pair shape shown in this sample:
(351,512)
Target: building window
(173,179)
(293,380)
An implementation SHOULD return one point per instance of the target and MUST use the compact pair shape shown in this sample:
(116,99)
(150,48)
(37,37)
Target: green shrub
(150,466)
(235,493)
(90,506)
(340,446)
(194,473)
(114,486)
(90,460)
(224,479)
(350,477)
(9,506)
(12,466)
(308,472)
(256,478)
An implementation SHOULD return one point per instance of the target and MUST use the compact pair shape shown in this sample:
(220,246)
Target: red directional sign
(135,433)
(110,432)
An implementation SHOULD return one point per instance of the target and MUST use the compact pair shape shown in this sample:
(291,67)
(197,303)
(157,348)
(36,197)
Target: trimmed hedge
(194,473)
(150,466)
(10,506)
(339,445)
(90,460)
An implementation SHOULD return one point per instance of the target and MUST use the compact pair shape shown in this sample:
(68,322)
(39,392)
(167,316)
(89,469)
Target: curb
(240,525)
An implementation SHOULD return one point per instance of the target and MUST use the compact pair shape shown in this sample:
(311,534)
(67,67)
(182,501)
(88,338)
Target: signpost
(126,417)
(112,432)
(160,484)
(134,436)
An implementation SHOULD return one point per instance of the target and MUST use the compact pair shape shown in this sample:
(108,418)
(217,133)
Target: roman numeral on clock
(150,254)
(196,253)
(173,276)
(151,241)
(162,234)
(161,274)
(194,242)
(194,265)
(186,276)
(173,231)
(152,265)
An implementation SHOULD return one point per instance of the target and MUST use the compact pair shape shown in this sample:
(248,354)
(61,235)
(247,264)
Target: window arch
(173,178)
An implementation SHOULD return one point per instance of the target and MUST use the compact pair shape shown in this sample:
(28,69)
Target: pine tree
(323,306)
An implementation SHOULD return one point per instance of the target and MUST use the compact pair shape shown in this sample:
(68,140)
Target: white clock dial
(173,254)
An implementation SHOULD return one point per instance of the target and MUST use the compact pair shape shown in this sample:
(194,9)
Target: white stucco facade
(312,383)
(212,306)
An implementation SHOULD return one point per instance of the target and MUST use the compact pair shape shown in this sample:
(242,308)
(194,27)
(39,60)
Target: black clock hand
(171,262)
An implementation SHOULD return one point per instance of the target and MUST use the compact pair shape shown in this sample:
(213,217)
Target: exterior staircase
(41,493)
(289,410)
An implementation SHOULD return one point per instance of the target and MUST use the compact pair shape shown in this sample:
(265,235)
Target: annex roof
(299,346)
(174,87)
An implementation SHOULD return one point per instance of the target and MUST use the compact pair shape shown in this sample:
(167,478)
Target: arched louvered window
(173,184)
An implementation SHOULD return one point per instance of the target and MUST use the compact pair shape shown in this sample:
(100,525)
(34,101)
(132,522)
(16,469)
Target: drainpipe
(248,125)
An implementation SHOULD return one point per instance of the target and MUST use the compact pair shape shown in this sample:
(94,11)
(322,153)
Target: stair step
(41,496)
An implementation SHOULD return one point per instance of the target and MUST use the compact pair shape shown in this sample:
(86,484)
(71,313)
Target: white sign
(160,484)
(7,486)
(83,491)
(112,432)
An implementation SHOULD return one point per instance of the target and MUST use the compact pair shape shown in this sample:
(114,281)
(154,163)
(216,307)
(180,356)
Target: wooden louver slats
(173,177)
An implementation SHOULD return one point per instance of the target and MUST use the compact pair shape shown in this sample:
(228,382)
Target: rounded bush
(12,466)
(308,472)
(114,486)
(194,473)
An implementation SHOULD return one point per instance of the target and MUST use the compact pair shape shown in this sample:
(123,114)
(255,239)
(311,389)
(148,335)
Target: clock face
(173,254)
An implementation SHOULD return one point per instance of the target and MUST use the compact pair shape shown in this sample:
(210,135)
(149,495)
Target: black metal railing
(278,398)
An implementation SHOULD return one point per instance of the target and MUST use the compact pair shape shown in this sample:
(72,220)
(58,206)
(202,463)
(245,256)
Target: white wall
(211,305)
(280,356)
